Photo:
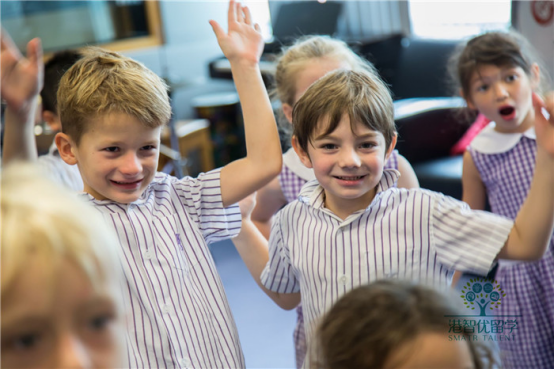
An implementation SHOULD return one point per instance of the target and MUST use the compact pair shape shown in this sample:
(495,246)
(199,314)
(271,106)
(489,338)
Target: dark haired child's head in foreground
(112,110)
(344,130)
(394,324)
(497,74)
(54,69)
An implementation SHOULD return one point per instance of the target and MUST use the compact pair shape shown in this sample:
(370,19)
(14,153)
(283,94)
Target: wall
(541,36)
(190,45)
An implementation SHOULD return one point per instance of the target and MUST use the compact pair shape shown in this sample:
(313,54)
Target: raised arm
(22,80)
(253,249)
(243,46)
(533,225)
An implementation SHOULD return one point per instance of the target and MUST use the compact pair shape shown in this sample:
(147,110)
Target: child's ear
(303,155)
(65,148)
(391,146)
(535,76)
(467,99)
(287,110)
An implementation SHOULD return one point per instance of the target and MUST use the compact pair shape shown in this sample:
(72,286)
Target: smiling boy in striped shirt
(112,110)
(351,226)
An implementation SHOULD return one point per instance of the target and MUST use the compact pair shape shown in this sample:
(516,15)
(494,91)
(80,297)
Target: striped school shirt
(410,234)
(178,313)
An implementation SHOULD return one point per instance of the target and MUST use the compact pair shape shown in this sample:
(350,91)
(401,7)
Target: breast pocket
(178,242)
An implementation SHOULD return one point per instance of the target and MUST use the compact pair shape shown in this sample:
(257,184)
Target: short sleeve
(60,172)
(465,239)
(202,199)
(278,274)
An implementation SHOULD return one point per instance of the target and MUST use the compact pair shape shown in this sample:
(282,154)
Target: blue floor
(265,329)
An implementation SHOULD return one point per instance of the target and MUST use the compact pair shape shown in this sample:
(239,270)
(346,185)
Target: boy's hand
(244,40)
(21,78)
(246,206)
(544,128)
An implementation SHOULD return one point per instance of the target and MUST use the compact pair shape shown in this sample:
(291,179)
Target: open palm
(243,41)
(21,78)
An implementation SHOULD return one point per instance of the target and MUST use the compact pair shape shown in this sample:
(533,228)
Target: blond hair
(297,57)
(361,95)
(39,219)
(105,82)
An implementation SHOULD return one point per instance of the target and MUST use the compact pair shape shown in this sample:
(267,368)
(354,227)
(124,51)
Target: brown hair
(497,48)
(370,322)
(105,82)
(361,95)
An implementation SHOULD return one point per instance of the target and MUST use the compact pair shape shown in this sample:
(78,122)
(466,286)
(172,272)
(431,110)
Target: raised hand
(21,78)
(544,128)
(243,41)
(246,206)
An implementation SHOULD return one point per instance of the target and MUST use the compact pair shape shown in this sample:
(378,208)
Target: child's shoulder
(490,141)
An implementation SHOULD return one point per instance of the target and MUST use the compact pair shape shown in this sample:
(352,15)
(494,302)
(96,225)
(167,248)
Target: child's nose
(349,158)
(131,165)
(72,353)
(500,91)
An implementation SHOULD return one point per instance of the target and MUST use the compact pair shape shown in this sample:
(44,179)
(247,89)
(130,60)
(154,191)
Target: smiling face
(504,95)
(117,157)
(57,319)
(347,164)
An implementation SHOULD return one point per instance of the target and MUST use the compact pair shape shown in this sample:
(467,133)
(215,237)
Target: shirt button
(148,255)
(343,280)
(165,309)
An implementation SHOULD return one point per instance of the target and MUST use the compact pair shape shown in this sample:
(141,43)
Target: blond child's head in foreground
(344,130)
(112,110)
(60,286)
(497,74)
(307,60)
(394,324)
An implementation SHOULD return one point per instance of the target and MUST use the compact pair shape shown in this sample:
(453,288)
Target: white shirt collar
(489,141)
(292,161)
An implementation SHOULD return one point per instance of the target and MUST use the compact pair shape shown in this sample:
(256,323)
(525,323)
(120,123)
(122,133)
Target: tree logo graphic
(482,293)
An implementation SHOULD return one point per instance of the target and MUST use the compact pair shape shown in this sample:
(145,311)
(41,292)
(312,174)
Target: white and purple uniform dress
(293,176)
(506,163)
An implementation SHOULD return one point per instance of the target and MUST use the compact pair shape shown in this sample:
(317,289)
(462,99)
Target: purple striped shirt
(410,234)
(178,313)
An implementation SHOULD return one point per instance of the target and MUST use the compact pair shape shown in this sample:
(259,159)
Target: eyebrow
(360,137)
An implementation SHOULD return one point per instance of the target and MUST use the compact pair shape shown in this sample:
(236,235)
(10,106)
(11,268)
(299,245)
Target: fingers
(232,12)
(34,52)
(247,15)
(7,43)
(257,27)
(239,13)
(219,32)
(542,108)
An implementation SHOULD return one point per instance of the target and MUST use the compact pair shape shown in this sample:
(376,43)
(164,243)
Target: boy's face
(347,164)
(57,319)
(118,157)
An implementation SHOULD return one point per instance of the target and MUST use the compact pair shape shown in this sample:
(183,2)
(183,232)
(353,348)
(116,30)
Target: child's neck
(343,208)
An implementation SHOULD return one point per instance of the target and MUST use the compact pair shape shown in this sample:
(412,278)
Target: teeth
(351,178)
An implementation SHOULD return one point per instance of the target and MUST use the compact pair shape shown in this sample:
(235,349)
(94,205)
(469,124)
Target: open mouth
(350,178)
(132,184)
(507,112)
